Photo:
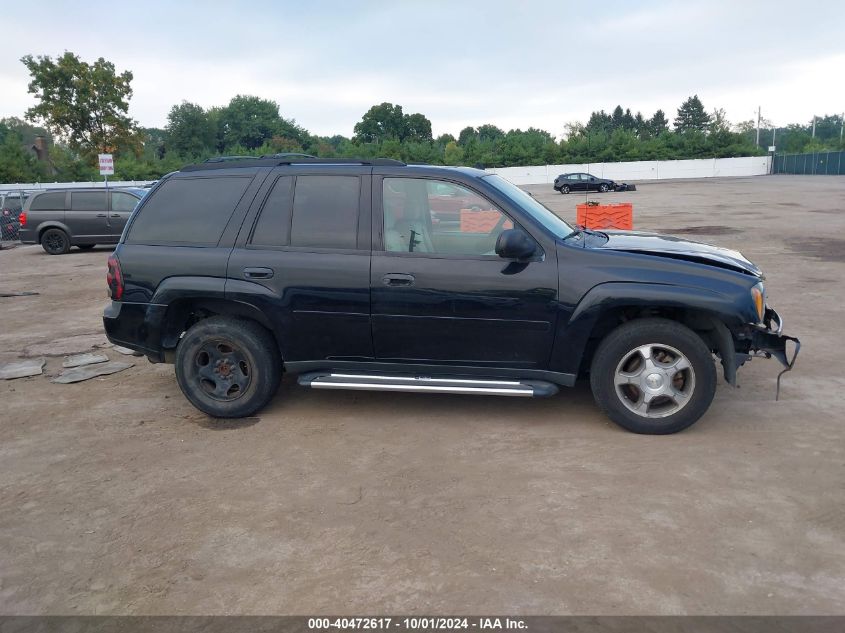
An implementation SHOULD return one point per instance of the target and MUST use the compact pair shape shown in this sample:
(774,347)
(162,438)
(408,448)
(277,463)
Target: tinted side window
(325,212)
(88,201)
(13,204)
(273,227)
(121,201)
(45,201)
(188,211)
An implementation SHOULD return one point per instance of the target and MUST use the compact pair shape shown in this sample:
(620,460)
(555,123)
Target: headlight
(758,294)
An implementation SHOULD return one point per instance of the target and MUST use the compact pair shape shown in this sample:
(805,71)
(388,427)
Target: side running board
(423,384)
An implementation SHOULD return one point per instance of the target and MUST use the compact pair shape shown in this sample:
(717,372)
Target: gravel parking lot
(117,497)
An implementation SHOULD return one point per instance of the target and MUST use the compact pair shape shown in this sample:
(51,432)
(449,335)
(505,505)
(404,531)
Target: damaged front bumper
(767,339)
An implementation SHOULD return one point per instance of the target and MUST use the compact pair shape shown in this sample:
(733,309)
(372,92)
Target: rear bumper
(136,326)
(27,236)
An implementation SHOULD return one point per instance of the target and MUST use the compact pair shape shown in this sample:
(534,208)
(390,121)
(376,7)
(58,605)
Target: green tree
(16,164)
(248,122)
(84,104)
(692,116)
(417,128)
(657,124)
(189,132)
(379,123)
(453,154)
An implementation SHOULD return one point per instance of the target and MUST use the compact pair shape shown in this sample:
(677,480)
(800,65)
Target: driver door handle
(258,273)
(398,279)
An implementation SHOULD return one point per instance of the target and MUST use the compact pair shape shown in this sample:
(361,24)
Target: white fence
(642,170)
(542,174)
(34,186)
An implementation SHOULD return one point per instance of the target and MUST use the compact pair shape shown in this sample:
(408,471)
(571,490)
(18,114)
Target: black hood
(678,248)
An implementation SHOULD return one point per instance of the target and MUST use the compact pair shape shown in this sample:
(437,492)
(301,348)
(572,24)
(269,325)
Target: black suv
(334,270)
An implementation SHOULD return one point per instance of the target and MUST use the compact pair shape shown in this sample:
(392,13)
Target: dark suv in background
(335,270)
(84,217)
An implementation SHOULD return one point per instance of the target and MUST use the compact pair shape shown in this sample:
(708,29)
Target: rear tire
(227,367)
(653,376)
(55,242)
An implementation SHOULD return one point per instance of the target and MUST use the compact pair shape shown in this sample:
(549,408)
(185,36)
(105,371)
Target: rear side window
(48,201)
(88,201)
(188,211)
(325,212)
(13,204)
(273,227)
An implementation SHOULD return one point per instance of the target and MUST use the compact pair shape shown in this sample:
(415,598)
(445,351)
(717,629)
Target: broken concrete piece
(126,350)
(22,369)
(80,360)
(78,374)
(68,345)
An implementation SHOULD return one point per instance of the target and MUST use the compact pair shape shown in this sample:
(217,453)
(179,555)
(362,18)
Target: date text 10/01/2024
(416,623)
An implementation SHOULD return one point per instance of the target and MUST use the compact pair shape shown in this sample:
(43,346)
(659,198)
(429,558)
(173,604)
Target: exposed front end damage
(768,340)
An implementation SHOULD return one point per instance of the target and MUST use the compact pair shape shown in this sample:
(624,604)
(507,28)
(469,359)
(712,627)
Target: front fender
(572,336)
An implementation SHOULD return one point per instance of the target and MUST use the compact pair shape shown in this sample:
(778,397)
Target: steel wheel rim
(654,380)
(222,370)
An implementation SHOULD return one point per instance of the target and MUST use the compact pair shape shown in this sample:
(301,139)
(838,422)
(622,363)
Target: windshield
(531,206)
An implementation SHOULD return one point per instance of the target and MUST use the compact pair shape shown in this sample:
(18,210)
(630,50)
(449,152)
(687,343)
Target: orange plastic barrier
(606,216)
(482,221)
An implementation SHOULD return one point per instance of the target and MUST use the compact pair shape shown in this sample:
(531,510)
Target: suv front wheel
(228,368)
(653,376)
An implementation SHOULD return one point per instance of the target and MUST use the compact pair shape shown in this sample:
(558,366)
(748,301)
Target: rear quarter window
(48,201)
(188,211)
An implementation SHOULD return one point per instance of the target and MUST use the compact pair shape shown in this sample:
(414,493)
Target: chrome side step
(430,384)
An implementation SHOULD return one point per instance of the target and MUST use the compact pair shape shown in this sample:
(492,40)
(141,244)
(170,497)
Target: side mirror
(515,244)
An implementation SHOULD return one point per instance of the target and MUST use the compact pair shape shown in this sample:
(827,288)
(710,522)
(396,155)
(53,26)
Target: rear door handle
(398,279)
(258,273)
(115,215)
(101,215)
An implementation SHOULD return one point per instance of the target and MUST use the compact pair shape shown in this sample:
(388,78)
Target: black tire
(227,367)
(55,242)
(564,189)
(85,247)
(622,343)
(603,188)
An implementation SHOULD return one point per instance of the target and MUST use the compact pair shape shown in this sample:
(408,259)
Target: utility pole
(814,126)
(841,127)
(774,132)
(758,126)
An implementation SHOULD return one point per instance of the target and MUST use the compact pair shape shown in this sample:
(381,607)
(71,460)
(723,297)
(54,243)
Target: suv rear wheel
(228,368)
(653,376)
(55,242)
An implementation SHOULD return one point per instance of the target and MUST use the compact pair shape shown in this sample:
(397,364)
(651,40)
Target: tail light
(114,278)
(22,218)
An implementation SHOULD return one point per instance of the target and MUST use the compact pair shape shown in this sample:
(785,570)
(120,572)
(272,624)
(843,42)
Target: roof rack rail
(225,162)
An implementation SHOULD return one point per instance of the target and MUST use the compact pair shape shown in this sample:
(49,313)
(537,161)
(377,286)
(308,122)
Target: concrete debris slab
(84,359)
(126,350)
(22,369)
(78,374)
(67,345)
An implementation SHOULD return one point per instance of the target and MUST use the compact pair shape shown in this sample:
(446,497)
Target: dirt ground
(117,497)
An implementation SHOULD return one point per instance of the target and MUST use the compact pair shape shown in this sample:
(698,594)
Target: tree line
(82,110)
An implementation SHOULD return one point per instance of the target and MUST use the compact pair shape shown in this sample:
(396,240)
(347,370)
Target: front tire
(55,242)
(227,367)
(603,188)
(653,376)
(564,189)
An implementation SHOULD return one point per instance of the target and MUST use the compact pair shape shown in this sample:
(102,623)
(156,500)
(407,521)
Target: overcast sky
(511,63)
